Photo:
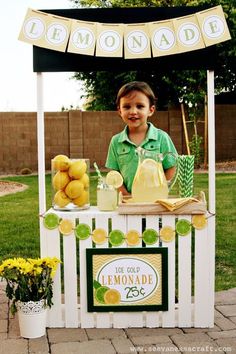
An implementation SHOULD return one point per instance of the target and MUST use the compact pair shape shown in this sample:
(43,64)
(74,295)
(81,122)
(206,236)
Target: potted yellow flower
(30,289)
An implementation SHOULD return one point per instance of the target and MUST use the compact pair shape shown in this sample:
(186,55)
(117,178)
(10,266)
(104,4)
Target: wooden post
(185,128)
(41,159)
(205,133)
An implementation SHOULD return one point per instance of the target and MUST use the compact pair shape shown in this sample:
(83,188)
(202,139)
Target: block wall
(87,134)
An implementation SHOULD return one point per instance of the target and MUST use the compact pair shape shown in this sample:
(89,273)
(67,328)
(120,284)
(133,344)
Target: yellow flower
(29,279)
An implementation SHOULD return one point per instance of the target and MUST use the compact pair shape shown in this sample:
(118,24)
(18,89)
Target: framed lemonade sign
(127,279)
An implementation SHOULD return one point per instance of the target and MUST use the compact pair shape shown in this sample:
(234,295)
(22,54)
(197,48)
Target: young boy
(135,104)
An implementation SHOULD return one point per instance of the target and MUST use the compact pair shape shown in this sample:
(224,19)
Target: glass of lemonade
(106,197)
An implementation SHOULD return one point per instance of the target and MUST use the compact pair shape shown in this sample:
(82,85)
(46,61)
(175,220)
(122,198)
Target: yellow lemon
(112,297)
(85,180)
(199,221)
(74,189)
(61,199)
(133,237)
(77,169)
(99,236)
(82,199)
(60,180)
(66,226)
(167,234)
(114,178)
(61,163)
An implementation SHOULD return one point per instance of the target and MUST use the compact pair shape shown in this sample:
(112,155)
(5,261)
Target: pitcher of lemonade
(150,182)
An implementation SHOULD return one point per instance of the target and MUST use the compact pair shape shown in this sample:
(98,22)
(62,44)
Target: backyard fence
(87,134)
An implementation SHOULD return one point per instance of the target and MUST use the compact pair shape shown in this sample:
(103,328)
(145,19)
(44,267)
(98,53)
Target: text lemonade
(135,281)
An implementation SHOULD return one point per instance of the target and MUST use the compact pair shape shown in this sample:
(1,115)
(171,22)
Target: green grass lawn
(19,230)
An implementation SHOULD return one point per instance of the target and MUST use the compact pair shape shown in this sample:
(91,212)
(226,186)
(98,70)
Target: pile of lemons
(70,181)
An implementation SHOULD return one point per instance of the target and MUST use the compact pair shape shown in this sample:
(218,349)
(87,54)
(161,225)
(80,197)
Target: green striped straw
(185,175)
(98,171)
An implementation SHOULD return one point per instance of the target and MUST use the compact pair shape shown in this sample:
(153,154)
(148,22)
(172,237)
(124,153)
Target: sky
(18,81)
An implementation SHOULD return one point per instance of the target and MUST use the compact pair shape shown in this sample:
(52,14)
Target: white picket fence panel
(195,305)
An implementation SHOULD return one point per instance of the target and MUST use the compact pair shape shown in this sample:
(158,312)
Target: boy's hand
(169,173)
(123,190)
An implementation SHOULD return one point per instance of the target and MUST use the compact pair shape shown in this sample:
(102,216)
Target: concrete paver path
(220,339)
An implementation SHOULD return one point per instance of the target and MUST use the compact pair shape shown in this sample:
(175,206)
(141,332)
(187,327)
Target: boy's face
(135,109)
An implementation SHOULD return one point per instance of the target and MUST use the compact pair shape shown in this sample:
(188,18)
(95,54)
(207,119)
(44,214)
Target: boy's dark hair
(136,86)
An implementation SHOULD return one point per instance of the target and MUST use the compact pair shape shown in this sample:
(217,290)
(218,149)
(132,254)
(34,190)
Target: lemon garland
(116,238)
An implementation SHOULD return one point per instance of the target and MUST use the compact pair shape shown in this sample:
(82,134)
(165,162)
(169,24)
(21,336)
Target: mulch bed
(7,187)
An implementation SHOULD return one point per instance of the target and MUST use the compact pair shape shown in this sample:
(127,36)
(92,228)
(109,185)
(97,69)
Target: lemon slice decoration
(66,227)
(167,234)
(199,221)
(99,236)
(116,237)
(150,236)
(183,227)
(51,221)
(132,238)
(99,294)
(114,178)
(112,297)
(82,231)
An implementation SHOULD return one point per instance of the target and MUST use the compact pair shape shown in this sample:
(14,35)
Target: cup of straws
(185,175)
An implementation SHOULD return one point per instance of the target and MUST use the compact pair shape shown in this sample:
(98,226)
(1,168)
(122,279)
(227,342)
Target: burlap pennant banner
(139,40)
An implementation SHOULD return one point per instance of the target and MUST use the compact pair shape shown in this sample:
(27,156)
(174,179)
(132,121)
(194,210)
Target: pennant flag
(213,25)
(46,30)
(109,40)
(136,41)
(163,38)
(188,33)
(83,37)
(34,27)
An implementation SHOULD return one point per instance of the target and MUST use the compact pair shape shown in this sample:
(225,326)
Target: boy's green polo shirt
(123,158)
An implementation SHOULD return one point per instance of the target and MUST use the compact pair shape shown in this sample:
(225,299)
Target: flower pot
(32,318)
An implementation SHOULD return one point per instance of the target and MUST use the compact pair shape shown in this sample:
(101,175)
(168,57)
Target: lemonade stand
(132,263)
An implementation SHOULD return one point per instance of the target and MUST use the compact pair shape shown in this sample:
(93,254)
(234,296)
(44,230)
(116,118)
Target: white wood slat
(70,278)
(87,318)
(52,242)
(211,255)
(201,293)
(153,317)
(134,222)
(168,317)
(184,278)
(102,318)
(120,319)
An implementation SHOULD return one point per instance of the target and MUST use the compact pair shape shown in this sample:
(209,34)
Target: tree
(188,86)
